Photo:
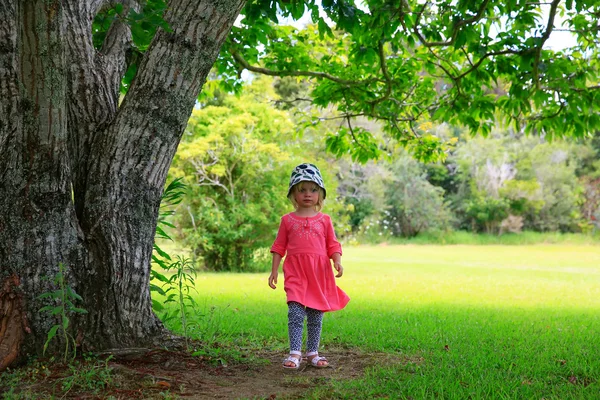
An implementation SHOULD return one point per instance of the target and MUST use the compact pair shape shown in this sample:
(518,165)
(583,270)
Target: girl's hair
(309,185)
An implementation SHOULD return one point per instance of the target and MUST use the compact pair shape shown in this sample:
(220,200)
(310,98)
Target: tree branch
(545,36)
(204,178)
(322,75)
(92,98)
(491,54)
(297,99)
(353,135)
(595,87)
(455,28)
(112,56)
(386,75)
(96,5)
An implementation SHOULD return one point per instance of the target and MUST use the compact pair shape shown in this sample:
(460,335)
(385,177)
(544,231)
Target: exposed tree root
(13,324)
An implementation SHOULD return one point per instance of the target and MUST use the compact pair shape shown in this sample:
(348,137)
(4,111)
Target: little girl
(308,238)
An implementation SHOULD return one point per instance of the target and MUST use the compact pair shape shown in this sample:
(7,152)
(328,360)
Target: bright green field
(480,322)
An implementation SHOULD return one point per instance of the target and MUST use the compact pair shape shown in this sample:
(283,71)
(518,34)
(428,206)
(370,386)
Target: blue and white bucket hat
(307,173)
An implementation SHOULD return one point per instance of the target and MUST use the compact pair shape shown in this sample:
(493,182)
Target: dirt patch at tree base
(164,374)
(194,378)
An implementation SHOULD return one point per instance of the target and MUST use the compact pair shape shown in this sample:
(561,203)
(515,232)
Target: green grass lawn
(479,322)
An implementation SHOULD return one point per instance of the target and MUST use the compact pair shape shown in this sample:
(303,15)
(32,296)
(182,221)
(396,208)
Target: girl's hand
(338,267)
(273,280)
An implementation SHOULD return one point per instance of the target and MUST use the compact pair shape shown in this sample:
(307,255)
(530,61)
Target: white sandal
(293,360)
(314,361)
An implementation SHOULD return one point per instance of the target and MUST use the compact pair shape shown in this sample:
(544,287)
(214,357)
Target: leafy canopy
(408,63)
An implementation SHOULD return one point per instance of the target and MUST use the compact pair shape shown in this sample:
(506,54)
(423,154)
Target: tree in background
(82,172)
(553,166)
(484,167)
(486,213)
(520,176)
(414,205)
(236,174)
(590,177)
(525,199)
(362,187)
(591,206)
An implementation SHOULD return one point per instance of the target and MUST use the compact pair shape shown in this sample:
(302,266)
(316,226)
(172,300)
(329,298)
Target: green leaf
(161,234)
(159,276)
(161,252)
(324,29)
(161,263)
(461,39)
(157,289)
(56,310)
(297,10)
(170,225)
(157,306)
(51,334)
(71,293)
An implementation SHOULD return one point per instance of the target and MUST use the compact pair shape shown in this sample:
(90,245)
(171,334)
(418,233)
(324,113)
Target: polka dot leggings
(314,322)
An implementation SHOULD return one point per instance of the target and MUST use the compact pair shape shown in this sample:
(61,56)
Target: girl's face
(306,195)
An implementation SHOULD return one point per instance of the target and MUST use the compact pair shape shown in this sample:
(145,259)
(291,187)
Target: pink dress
(308,274)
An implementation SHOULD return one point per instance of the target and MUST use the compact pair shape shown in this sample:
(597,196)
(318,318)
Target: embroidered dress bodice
(307,227)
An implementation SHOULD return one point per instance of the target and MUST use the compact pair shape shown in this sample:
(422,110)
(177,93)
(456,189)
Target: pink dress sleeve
(333,246)
(280,244)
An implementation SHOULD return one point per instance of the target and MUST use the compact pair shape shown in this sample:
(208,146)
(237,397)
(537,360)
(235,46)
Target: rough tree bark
(81,176)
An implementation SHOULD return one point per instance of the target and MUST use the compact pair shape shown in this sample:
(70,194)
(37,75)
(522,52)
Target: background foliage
(236,158)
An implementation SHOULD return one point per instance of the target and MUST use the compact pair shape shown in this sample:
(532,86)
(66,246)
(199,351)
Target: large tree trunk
(80,176)
(38,229)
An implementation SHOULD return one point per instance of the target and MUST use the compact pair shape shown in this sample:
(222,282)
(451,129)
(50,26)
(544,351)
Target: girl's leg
(314,324)
(296,315)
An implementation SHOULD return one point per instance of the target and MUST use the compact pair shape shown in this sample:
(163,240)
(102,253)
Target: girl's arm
(278,250)
(337,264)
(280,244)
(333,245)
(274,270)
(334,249)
